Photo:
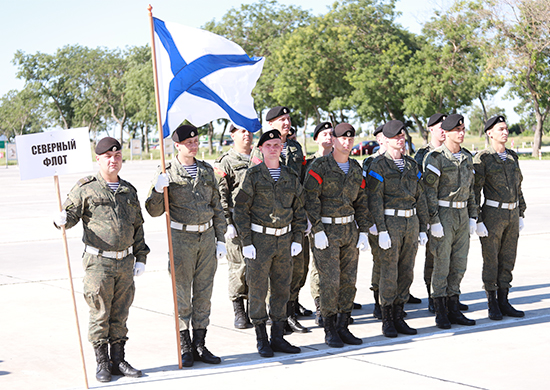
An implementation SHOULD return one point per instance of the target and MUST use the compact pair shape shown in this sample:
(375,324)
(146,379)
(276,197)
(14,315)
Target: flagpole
(165,190)
(56,181)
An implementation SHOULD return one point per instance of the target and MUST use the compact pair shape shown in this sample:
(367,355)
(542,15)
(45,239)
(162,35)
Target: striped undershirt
(191,170)
(275,173)
(400,163)
(344,166)
(502,156)
(113,186)
(283,152)
(457,155)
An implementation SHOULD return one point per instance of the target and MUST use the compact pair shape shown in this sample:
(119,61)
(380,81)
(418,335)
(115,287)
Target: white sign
(168,145)
(135,147)
(11,152)
(54,153)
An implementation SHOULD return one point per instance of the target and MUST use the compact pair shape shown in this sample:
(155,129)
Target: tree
(21,113)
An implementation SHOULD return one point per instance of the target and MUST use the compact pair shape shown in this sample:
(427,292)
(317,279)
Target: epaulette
(219,159)
(254,168)
(289,170)
(467,151)
(128,184)
(514,154)
(86,180)
(410,159)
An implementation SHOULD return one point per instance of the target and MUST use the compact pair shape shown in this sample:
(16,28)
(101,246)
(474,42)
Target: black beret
(183,132)
(343,130)
(292,131)
(493,121)
(452,121)
(392,128)
(276,112)
(435,119)
(271,134)
(321,127)
(378,130)
(107,144)
(232,128)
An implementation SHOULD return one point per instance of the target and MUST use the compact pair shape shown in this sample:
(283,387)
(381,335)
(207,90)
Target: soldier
(197,222)
(230,169)
(497,173)
(114,252)
(398,207)
(335,200)
(449,180)
(270,220)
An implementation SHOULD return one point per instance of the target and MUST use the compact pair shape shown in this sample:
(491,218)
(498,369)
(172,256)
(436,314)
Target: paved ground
(39,344)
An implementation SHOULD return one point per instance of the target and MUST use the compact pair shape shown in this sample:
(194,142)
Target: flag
(203,77)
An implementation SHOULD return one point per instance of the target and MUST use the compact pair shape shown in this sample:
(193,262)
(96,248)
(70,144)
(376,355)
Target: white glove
(60,219)
(521,224)
(308,230)
(220,250)
(481,230)
(295,249)
(139,268)
(249,252)
(437,230)
(162,181)
(373,230)
(231,232)
(384,240)
(422,238)
(363,242)
(321,240)
(472,226)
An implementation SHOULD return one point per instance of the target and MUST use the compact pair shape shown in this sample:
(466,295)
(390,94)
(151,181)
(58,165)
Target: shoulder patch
(316,176)
(430,178)
(433,169)
(86,180)
(219,172)
(256,160)
(376,176)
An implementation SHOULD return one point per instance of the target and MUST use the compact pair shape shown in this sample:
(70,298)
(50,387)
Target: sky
(44,26)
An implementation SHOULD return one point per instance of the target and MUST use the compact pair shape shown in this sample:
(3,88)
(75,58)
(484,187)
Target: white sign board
(168,145)
(54,153)
(11,152)
(135,147)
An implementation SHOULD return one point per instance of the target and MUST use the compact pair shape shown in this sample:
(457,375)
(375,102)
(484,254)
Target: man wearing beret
(270,221)
(336,204)
(398,207)
(449,180)
(498,175)
(197,227)
(114,252)
(230,168)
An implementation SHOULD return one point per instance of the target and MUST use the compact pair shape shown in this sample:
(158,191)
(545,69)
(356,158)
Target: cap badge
(192,134)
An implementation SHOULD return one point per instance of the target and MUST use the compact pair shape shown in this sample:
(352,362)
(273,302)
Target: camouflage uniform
(501,183)
(192,202)
(447,180)
(393,190)
(276,205)
(332,194)
(112,222)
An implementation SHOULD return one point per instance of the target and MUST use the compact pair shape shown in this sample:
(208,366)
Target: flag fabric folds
(203,77)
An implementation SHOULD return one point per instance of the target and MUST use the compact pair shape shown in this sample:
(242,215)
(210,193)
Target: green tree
(21,113)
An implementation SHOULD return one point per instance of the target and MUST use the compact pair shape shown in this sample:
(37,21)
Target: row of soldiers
(265,206)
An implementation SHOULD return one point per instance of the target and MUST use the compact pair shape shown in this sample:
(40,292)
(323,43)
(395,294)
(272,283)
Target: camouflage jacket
(112,220)
(389,188)
(263,201)
(421,155)
(294,157)
(310,160)
(192,202)
(368,161)
(499,180)
(332,193)
(449,179)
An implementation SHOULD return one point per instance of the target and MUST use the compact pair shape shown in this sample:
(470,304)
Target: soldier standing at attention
(114,252)
(197,223)
(398,207)
(449,179)
(230,168)
(335,200)
(501,218)
(270,221)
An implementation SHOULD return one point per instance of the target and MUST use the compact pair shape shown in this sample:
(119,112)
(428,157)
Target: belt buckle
(119,255)
(408,213)
(201,228)
(278,232)
(510,206)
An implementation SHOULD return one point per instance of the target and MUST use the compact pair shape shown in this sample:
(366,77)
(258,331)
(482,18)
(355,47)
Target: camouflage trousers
(299,271)
(375,251)
(450,252)
(337,267)
(397,262)
(195,265)
(237,270)
(314,274)
(270,270)
(109,292)
(428,264)
(499,249)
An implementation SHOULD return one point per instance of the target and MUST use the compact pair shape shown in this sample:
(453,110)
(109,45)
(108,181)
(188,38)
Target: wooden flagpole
(63,232)
(166,204)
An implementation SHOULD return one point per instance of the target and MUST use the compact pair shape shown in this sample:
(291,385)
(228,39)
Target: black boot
(318,317)
(441,319)
(357,306)
(186,349)
(299,310)
(388,327)
(431,307)
(103,371)
(492,304)
(292,320)
(121,366)
(264,348)
(505,307)
(377,313)
(342,321)
(200,352)
(462,306)
(332,338)
(278,343)
(241,318)
(455,315)
(398,321)
(413,299)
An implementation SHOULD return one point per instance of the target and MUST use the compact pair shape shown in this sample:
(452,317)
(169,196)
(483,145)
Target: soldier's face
(324,138)
(272,148)
(456,135)
(242,138)
(188,147)
(438,133)
(397,142)
(110,163)
(282,123)
(499,132)
(343,144)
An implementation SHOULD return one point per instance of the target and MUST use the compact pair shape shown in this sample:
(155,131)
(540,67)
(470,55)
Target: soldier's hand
(521,224)
(321,240)
(472,226)
(220,250)
(437,230)
(162,181)
(139,268)
(60,219)
(249,252)
(422,238)
(373,230)
(363,242)
(295,249)
(231,232)
(384,240)
(481,230)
